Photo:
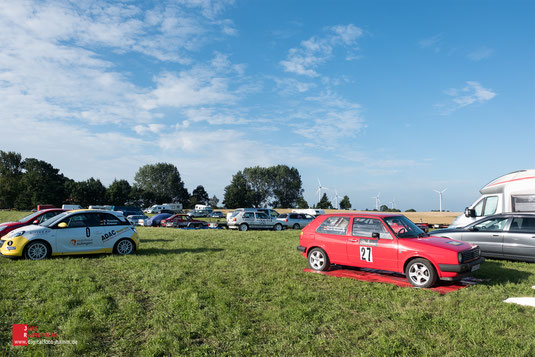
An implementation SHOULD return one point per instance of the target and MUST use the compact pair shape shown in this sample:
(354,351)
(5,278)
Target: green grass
(220,292)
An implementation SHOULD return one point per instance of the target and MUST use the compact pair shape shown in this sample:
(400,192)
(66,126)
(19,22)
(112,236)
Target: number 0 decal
(366,254)
(87,232)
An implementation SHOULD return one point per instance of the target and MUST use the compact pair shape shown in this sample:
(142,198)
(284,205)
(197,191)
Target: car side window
(261,215)
(107,219)
(479,208)
(491,204)
(493,224)
(274,214)
(248,215)
(77,221)
(334,225)
(48,216)
(523,224)
(365,227)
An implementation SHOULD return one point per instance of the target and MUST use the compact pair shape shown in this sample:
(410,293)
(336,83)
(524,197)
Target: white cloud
(472,93)
(315,51)
(480,53)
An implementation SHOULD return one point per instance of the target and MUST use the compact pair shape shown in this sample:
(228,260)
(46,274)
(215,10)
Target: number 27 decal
(366,254)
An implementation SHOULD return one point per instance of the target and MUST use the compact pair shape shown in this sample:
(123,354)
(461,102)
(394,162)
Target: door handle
(353,240)
(495,235)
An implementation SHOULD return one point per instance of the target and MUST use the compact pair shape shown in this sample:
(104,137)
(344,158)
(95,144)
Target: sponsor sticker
(109,235)
(454,243)
(368,242)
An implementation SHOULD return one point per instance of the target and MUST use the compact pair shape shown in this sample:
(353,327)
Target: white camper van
(173,207)
(514,192)
(311,211)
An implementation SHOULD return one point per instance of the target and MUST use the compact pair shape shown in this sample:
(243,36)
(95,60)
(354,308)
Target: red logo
(20,335)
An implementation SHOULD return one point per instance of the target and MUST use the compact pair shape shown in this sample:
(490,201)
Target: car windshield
(49,222)
(404,228)
(29,217)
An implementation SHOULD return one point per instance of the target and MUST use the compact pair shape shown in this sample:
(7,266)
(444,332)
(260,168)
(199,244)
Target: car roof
(365,214)
(116,213)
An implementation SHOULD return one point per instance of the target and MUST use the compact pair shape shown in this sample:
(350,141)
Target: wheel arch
(410,259)
(114,250)
(25,247)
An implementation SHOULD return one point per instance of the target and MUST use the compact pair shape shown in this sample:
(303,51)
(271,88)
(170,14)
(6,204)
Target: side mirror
(35,222)
(375,235)
(62,225)
(469,212)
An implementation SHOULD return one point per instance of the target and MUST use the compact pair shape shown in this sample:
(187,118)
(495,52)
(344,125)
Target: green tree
(10,175)
(324,203)
(118,193)
(40,183)
(162,182)
(237,192)
(213,201)
(302,203)
(286,185)
(411,210)
(345,203)
(86,193)
(259,183)
(383,208)
(199,196)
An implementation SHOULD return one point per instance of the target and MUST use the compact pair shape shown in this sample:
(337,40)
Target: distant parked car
(137,220)
(506,235)
(182,221)
(34,218)
(245,220)
(217,214)
(386,242)
(196,213)
(295,220)
(154,221)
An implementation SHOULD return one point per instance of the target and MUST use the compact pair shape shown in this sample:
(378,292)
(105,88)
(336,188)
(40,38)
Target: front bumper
(461,268)
(15,249)
(301,249)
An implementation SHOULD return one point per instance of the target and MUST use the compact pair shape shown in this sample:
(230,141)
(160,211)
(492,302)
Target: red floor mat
(398,279)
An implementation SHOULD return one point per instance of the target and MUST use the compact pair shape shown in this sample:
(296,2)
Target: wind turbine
(377,200)
(320,187)
(393,203)
(440,195)
(336,197)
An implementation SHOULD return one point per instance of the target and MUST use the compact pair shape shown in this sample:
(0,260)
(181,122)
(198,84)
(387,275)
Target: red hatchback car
(386,242)
(34,218)
(182,221)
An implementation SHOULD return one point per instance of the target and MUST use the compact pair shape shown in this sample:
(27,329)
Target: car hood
(448,230)
(438,242)
(11,224)
(31,229)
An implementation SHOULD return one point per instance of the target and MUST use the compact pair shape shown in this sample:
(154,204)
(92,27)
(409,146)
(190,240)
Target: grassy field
(220,292)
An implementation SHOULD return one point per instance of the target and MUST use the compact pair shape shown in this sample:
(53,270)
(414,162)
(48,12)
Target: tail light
(286,220)
(234,219)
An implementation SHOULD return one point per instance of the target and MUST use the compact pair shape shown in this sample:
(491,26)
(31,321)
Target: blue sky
(393,97)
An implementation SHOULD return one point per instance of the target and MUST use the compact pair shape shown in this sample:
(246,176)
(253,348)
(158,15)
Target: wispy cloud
(472,93)
(304,60)
(433,42)
(480,53)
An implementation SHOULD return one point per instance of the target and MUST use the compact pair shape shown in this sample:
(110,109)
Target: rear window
(283,215)
(334,225)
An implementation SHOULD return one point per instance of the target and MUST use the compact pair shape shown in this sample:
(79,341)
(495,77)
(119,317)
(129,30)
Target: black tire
(277,227)
(37,250)
(296,226)
(421,273)
(318,259)
(124,246)
(243,227)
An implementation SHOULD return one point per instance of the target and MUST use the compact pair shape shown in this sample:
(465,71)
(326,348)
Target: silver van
(248,219)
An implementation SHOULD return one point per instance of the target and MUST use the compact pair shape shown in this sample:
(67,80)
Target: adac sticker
(108,235)
(454,243)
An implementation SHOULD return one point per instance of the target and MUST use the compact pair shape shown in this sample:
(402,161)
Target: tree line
(26,183)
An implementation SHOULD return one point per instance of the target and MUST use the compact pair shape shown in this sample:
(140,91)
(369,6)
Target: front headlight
(15,234)
(460,257)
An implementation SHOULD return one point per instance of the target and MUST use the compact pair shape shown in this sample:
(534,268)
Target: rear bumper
(460,268)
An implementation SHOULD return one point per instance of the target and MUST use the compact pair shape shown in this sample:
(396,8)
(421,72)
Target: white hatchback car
(73,232)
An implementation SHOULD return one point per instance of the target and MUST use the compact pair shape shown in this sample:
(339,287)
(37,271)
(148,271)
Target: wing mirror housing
(469,212)
(62,225)
(35,222)
(375,235)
